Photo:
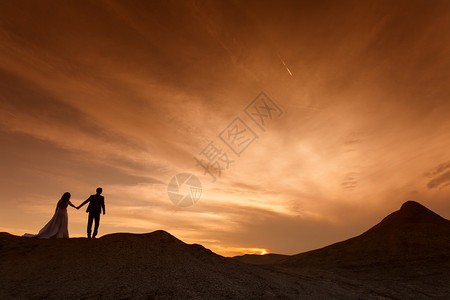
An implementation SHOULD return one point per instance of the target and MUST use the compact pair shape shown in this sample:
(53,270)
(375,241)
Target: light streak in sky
(284,64)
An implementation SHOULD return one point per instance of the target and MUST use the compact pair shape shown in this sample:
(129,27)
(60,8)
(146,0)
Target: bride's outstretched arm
(70,203)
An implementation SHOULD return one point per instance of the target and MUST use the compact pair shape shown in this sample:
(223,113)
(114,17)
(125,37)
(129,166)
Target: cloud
(439,176)
(350,182)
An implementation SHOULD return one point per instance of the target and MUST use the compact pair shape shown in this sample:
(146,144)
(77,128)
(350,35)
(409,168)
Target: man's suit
(96,204)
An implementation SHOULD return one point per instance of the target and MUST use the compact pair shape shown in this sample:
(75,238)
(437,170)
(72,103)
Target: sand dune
(404,256)
(155,265)
(413,232)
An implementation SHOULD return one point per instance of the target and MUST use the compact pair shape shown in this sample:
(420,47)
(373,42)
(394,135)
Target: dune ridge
(404,256)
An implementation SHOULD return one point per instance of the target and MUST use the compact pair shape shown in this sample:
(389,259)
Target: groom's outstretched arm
(81,205)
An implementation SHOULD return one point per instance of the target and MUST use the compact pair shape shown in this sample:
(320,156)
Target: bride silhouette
(57,227)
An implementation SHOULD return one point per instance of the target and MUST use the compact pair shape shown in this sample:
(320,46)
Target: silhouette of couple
(57,227)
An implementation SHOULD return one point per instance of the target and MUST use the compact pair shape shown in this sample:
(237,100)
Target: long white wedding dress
(58,226)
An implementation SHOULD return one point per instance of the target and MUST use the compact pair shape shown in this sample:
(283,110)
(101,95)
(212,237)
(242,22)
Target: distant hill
(405,256)
(412,233)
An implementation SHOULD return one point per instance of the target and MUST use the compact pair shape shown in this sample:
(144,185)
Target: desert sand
(405,256)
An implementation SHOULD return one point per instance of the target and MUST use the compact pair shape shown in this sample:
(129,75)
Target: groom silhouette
(96,204)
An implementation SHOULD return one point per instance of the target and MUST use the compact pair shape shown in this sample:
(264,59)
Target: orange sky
(124,94)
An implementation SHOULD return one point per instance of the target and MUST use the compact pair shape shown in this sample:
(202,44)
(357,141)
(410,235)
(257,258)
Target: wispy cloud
(439,176)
